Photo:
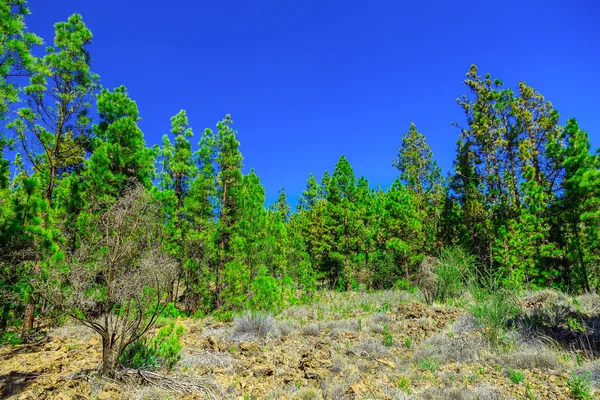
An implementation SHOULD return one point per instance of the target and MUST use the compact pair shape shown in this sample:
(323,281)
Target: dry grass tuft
(73,331)
(480,393)
(529,357)
(371,349)
(443,349)
(204,358)
(254,326)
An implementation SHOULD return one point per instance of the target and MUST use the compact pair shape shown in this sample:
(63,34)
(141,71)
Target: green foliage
(515,376)
(492,311)
(455,271)
(428,364)
(580,387)
(388,339)
(11,338)
(267,295)
(151,353)
(404,384)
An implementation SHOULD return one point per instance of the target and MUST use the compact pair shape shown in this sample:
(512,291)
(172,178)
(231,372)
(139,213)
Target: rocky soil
(385,345)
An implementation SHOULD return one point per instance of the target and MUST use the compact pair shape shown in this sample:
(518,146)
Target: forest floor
(381,345)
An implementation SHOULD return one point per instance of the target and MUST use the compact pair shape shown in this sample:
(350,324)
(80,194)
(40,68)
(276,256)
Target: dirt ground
(385,345)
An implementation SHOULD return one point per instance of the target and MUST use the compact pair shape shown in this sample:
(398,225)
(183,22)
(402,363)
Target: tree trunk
(4,319)
(29,318)
(109,358)
(347,261)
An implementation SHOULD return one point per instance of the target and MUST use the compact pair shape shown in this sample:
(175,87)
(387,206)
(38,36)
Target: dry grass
(371,349)
(73,330)
(529,357)
(254,326)
(442,348)
(479,393)
(210,359)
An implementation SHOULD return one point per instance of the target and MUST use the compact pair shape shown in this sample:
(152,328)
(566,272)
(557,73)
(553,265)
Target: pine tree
(200,211)
(16,59)
(58,98)
(229,182)
(401,226)
(420,174)
(177,170)
(582,205)
(343,221)
(120,157)
(311,195)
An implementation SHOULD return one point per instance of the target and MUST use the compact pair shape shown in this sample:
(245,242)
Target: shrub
(372,349)
(161,351)
(455,271)
(428,364)
(388,340)
(515,376)
(528,357)
(492,312)
(427,280)
(252,326)
(580,387)
(443,348)
(267,295)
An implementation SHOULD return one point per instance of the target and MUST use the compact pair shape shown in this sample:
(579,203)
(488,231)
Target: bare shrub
(465,324)
(76,331)
(116,282)
(427,280)
(380,318)
(527,357)
(255,326)
(287,327)
(371,349)
(313,329)
(588,304)
(443,349)
(338,364)
(204,358)
(479,393)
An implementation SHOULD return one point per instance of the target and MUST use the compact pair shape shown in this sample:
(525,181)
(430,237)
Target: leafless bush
(588,304)
(75,331)
(527,357)
(204,358)
(427,280)
(338,364)
(443,348)
(313,329)
(465,324)
(287,327)
(253,326)
(116,281)
(380,318)
(371,349)
(480,393)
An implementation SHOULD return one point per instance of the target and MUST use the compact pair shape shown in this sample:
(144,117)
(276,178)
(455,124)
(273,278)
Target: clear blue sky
(307,81)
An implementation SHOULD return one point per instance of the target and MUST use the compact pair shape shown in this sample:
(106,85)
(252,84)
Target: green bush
(267,294)
(161,351)
(580,387)
(455,271)
(388,339)
(492,312)
(515,376)
(11,338)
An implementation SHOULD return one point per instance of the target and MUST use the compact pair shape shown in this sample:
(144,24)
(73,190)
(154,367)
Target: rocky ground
(383,345)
